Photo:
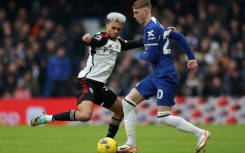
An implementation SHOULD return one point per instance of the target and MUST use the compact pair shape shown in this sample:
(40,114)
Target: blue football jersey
(157,48)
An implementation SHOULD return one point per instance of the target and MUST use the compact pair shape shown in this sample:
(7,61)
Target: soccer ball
(107,145)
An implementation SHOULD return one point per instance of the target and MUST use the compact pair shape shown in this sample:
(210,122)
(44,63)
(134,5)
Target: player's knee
(128,104)
(162,117)
(83,117)
(119,114)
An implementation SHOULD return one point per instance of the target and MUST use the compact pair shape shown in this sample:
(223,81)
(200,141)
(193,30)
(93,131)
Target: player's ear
(146,10)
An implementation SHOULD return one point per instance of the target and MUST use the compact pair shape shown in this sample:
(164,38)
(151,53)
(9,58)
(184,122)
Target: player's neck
(111,37)
(147,20)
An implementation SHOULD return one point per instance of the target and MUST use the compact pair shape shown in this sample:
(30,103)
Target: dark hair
(141,3)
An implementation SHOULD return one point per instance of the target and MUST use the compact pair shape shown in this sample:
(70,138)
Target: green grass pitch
(84,138)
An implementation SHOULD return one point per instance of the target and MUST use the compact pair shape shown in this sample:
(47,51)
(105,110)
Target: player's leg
(165,101)
(143,90)
(116,118)
(108,99)
(164,117)
(129,103)
(84,113)
(85,90)
(85,100)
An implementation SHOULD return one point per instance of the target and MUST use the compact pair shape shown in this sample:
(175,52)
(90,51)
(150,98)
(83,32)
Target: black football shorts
(97,92)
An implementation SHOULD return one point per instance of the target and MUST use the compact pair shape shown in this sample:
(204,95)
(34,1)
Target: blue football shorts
(163,87)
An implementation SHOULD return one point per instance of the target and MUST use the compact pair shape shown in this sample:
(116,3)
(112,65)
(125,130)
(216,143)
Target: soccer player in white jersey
(90,87)
(162,82)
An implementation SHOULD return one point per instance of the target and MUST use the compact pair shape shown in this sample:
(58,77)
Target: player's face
(139,15)
(114,28)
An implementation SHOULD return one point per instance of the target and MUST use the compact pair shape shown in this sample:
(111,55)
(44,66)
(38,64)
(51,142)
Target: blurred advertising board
(197,110)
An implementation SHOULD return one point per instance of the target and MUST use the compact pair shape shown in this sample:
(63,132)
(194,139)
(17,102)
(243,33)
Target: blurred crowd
(41,52)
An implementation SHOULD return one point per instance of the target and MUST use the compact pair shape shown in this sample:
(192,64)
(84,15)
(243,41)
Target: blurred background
(41,54)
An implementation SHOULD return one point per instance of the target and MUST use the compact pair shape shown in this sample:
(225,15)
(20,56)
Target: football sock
(130,120)
(65,116)
(113,127)
(49,118)
(179,123)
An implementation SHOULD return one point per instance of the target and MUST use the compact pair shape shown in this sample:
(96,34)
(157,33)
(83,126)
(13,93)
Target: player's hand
(192,65)
(172,28)
(87,38)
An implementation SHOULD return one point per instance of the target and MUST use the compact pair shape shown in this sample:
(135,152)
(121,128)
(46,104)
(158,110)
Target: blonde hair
(118,17)
(141,4)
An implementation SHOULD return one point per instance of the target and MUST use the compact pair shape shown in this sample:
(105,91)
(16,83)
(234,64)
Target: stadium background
(41,54)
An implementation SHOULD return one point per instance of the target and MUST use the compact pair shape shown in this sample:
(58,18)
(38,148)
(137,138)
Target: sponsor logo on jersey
(151,38)
(109,51)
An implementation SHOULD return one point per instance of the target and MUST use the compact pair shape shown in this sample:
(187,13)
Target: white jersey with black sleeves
(103,55)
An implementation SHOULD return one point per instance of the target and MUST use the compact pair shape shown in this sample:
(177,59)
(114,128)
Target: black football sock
(113,127)
(65,116)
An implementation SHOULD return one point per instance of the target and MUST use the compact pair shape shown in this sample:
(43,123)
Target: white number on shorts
(159,94)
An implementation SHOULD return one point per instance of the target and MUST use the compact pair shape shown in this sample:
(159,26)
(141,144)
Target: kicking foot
(38,120)
(202,141)
(127,149)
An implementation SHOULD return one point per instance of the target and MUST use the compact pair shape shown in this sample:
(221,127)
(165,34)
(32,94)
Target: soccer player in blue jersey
(162,82)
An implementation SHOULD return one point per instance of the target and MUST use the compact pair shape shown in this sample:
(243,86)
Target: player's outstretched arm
(95,41)
(192,63)
(131,44)
(183,43)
